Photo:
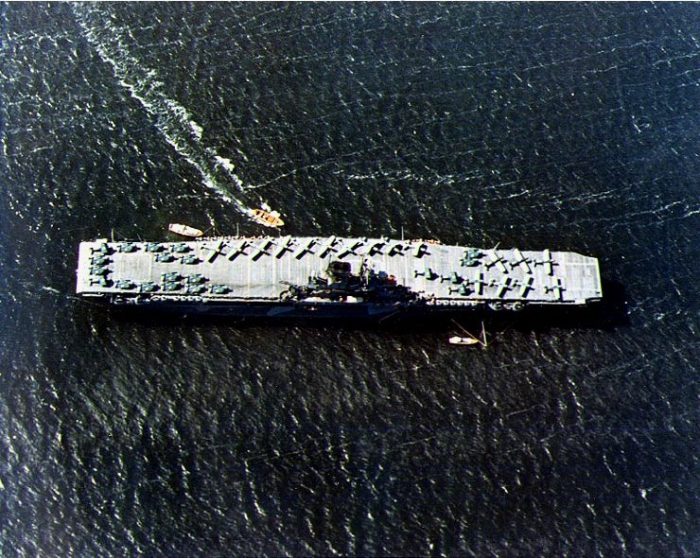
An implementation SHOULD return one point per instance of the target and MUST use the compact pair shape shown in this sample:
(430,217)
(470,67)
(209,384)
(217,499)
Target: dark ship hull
(371,312)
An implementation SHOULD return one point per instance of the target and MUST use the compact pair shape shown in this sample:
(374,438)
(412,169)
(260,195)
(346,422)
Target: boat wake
(174,122)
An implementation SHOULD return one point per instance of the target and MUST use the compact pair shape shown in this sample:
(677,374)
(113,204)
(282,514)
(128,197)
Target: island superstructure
(332,277)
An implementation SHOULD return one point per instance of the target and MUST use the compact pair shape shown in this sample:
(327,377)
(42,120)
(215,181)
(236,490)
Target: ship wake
(172,120)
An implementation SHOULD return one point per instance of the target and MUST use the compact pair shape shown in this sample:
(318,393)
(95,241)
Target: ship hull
(322,312)
(413,317)
(276,311)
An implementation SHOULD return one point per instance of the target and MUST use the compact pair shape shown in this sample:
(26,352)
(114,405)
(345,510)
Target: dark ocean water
(568,126)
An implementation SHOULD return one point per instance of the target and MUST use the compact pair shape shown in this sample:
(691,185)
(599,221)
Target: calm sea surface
(567,126)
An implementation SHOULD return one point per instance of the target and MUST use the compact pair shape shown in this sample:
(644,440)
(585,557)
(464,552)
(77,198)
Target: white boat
(470,339)
(185,230)
(269,218)
(456,340)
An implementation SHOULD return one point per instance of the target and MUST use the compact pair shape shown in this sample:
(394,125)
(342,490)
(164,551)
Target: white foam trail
(225,163)
(176,124)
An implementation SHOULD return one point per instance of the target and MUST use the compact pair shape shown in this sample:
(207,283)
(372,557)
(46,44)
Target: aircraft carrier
(329,277)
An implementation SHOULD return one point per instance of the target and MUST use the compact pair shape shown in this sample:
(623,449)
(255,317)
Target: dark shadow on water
(605,315)
(608,314)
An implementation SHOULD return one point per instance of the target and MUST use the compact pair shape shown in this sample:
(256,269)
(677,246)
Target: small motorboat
(185,230)
(267,217)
